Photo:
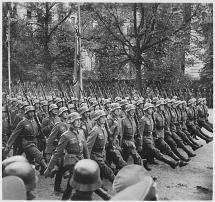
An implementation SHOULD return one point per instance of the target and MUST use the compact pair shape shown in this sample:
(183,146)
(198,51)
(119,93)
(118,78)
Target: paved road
(192,182)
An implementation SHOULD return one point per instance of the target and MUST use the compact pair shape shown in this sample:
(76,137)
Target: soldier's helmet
(13,188)
(52,106)
(140,101)
(44,103)
(194,100)
(19,97)
(49,99)
(25,171)
(58,100)
(94,103)
(86,176)
(175,97)
(155,99)
(190,101)
(83,109)
(173,101)
(147,106)
(98,114)
(136,180)
(129,107)
(148,100)
(83,104)
(62,109)
(167,100)
(179,102)
(183,102)
(23,104)
(13,159)
(13,100)
(115,106)
(29,108)
(118,99)
(36,101)
(73,116)
(199,100)
(106,101)
(123,102)
(160,102)
(71,106)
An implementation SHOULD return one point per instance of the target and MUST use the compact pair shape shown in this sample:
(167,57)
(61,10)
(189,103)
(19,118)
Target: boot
(208,140)
(145,164)
(182,163)
(173,164)
(180,156)
(195,147)
(43,166)
(172,155)
(190,154)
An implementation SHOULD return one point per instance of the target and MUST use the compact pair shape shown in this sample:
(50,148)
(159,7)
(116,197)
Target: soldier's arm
(59,150)
(18,130)
(85,148)
(142,127)
(91,140)
(46,127)
(51,138)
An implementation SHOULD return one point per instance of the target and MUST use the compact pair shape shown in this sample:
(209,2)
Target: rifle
(43,91)
(8,115)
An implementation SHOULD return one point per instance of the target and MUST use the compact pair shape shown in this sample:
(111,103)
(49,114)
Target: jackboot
(172,155)
(181,156)
(182,163)
(145,165)
(173,164)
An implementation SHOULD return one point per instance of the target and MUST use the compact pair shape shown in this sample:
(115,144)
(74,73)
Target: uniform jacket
(159,124)
(55,135)
(73,143)
(17,119)
(167,116)
(48,123)
(86,125)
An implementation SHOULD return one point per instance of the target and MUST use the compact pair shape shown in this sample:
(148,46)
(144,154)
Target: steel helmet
(190,101)
(25,171)
(23,104)
(106,101)
(36,101)
(179,102)
(175,97)
(117,99)
(98,114)
(94,103)
(44,103)
(83,109)
(29,108)
(147,106)
(140,101)
(13,100)
(13,188)
(155,99)
(62,109)
(71,106)
(115,106)
(123,102)
(86,176)
(12,159)
(148,100)
(167,100)
(73,116)
(199,100)
(53,106)
(83,104)
(183,102)
(129,107)
(160,102)
(58,100)
(19,97)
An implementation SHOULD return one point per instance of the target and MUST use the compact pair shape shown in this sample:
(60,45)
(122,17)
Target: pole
(8,41)
(79,44)
(76,48)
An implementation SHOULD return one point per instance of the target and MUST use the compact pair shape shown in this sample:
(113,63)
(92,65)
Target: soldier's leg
(209,123)
(118,160)
(165,148)
(125,153)
(202,133)
(173,146)
(190,138)
(180,144)
(106,171)
(59,176)
(205,125)
(151,148)
(68,191)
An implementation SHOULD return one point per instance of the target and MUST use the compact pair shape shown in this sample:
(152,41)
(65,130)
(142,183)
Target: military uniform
(113,149)
(74,143)
(27,131)
(86,126)
(96,143)
(129,133)
(206,114)
(48,123)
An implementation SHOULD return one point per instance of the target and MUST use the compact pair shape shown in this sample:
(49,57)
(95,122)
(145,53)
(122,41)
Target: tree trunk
(138,77)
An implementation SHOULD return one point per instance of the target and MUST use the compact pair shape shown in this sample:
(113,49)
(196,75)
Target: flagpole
(8,41)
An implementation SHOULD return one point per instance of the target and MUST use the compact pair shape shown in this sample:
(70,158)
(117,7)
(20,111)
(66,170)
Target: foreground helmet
(62,109)
(115,106)
(86,176)
(53,106)
(23,170)
(98,114)
(29,108)
(73,116)
(13,159)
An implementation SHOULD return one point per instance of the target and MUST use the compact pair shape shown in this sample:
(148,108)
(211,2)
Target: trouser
(68,191)
(131,151)
(59,175)
(33,154)
(196,131)
(165,148)
(209,123)
(169,140)
(105,170)
(114,155)
(189,136)
(179,142)
(203,124)
(184,137)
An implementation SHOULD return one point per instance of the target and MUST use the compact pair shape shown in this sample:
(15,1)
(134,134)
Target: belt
(29,138)
(100,150)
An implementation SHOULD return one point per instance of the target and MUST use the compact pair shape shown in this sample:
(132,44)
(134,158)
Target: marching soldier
(43,113)
(74,143)
(49,122)
(206,114)
(27,132)
(159,122)
(86,122)
(139,109)
(96,143)
(146,130)
(113,149)
(130,134)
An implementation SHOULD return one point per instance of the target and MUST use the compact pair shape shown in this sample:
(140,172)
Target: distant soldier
(139,109)
(205,109)
(43,112)
(49,122)
(96,143)
(74,143)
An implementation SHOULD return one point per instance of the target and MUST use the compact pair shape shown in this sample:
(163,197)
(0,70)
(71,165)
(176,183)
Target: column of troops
(55,135)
